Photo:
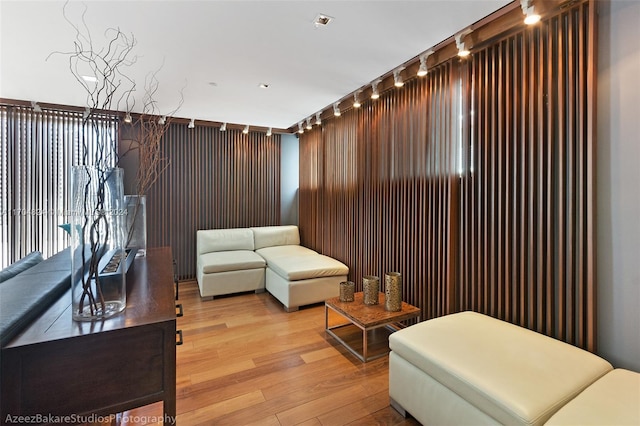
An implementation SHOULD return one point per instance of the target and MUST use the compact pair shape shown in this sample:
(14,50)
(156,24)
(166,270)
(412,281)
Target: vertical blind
(37,150)
(214,180)
(476,182)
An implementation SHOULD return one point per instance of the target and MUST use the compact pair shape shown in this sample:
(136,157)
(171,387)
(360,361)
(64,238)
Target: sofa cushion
(269,236)
(299,263)
(214,240)
(612,400)
(272,253)
(21,265)
(513,374)
(224,261)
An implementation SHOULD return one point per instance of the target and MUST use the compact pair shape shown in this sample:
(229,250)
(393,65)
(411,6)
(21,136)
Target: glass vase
(136,223)
(98,257)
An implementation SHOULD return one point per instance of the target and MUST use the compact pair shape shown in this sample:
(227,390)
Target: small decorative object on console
(347,291)
(393,291)
(370,288)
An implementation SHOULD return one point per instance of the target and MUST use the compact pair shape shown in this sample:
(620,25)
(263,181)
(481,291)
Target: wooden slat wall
(214,180)
(311,189)
(37,150)
(476,182)
(377,187)
(526,248)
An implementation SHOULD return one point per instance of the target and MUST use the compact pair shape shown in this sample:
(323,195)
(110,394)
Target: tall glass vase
(136,223)
(98,259)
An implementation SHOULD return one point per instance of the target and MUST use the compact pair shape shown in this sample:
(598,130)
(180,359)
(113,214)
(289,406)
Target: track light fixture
(127,118)
(318,119)
(309,127)
(531,17)
(192,123)
(269,131)
(374,89)
(356,100)
(462,49)
(246,130)
(336,109)
(424,70)
(35,106)
(162,120)
(397,78)
(223,127)
(300,129)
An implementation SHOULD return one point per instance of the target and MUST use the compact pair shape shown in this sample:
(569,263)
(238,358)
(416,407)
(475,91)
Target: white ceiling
(235,44)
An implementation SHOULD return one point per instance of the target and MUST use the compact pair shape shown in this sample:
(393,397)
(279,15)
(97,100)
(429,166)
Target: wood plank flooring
(245,361)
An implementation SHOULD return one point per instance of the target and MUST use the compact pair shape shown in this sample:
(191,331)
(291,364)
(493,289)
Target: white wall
(618,183)
(289,177)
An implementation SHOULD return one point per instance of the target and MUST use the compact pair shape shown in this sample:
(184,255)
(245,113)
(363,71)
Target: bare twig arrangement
(101,73)
(149,129)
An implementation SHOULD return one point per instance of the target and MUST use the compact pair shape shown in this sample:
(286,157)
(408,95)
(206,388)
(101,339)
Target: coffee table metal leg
(326,317)
(364,344)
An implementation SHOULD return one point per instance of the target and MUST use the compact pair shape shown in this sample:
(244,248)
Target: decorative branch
(112,90)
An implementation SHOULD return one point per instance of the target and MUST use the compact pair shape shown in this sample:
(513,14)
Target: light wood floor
(245,361)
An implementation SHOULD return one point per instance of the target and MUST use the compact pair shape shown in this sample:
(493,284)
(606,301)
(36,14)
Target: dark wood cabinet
(58,367)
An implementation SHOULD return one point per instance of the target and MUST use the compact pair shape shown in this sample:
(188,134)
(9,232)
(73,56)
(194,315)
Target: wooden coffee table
(367,318)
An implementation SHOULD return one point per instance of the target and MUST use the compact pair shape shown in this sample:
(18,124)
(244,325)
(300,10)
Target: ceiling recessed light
(264,85)
(322,20)
(89,78)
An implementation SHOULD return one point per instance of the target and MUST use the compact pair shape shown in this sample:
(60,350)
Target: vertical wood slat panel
(388,200)
(513,235)
(214,180)
(543,178)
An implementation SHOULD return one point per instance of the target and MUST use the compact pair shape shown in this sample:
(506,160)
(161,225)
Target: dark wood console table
(58,367)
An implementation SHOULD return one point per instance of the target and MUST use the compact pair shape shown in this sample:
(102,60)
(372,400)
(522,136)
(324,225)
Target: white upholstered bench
(612,400)
(468,368)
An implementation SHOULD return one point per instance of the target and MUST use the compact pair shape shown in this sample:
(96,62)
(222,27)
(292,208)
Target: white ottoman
(468,368)
(299,276)
(612,400)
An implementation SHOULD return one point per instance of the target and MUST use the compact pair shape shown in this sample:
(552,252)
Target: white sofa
(468,368)
(227,262)
(271,257)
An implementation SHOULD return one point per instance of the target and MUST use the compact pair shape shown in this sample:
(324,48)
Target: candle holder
(393,291)
(347,291)
(370,289)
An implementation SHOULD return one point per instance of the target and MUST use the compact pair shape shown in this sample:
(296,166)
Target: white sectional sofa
(271,257)
(468,368)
